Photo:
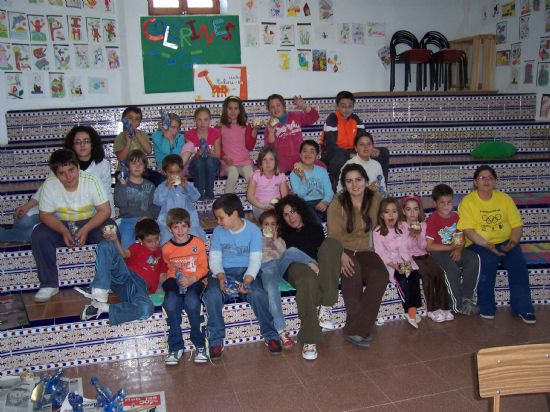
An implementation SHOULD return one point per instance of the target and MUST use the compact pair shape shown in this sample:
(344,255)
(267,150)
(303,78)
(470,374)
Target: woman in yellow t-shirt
(493,227)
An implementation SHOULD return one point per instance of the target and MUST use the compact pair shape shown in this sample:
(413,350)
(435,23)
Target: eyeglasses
(486,178)
(292,212)
(82,142)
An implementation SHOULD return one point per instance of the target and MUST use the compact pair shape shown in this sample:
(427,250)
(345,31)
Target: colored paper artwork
(251,35)
(75,4)
(287,35)
(75,87)
(98,85)
(525,6)
(384,56)
(249,11)
(91,4)
(304,34)
(58,3)
(97,57)
(545,107)
(108,5)
(334,61)
(547,4)
(37,27)
(275,8)
(37,85)
(516,53)
(58,30)
(503,57)
(358,33)
(528,70)
(19,29)
(6,58)
(324,32)
(319,58)
(294,8)
(326,11)
(495,9)
(39,55)
(508,9)
(76,30)
(212,82)
(344,33)
(57,85)
(94,29)
(109,30)
(268,33)
(21,56)
(82,58)
(304,60)
(376,29)
(547,20)
(544,48)
(543,74)
(3,24)
(62,57)
(536,5)
(284,60)
(514,77)
(14,86)
(501,32)
(524,27)
(113,57)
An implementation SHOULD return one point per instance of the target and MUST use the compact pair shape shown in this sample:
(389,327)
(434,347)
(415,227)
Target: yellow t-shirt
(493,219)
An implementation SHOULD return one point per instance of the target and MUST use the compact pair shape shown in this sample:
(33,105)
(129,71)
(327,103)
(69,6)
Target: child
(205,164)
(134,197)
(389,244)
(236,255)
(339,133)
(446,245)
(176,191)
(433,276)
(364,145)
(235,133)
(131,274)
(168,141)
(185,256)
(276,259)
(284,129)
(267,185)
(311,182)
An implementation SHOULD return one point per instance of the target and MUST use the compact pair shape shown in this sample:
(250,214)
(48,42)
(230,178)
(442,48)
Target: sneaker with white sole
(94,310)
(325,317)
(413,322)
(447,315)
(528,318)
(488,317)
(436,316)
(200,356)
(45,294)
(309,351)
(101,295)
(173,358)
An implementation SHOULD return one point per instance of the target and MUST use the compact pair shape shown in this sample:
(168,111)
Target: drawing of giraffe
(218,90)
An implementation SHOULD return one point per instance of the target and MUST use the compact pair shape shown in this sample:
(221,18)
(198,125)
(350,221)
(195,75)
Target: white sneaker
(436,316)
(173,358)
(45,294)
(95,310)
(101,295)
(201,356)
(325,317)
(309,351)
(412,322)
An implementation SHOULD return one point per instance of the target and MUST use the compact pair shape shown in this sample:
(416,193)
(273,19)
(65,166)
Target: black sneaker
(528,318)
(216,352)
(274,346)
(90,312)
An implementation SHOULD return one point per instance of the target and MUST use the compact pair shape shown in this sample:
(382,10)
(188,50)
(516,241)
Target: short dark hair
(344,94)
(484,168)
(200,110)
(62,157)
(359,136)
(178,215)
(275,96)
(310,142)
(172,159)
(268,213)
(441,190)
(146,227)
(138,155)
(132,109)
(98,153)
(229,203)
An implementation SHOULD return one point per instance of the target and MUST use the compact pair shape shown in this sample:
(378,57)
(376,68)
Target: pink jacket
(391,249)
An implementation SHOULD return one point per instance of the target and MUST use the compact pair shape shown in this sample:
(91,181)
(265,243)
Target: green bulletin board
(171,45)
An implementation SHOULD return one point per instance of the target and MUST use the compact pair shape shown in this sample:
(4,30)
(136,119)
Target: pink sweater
(415,246)
(391,248)
(233,145)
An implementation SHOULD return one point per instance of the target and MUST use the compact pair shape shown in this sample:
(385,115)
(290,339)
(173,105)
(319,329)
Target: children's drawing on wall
(503,58)
(77,32)
(358,33)
(21,56)
(508,9)
(94,29)
(249,11)
(82,58)
(251,35)
(37,27)
(113,57)
(545,107)
(525,6)
(536,5)
(516,53)
(524,27)
(384,56)
(275,8)
(110,30)
(37,85)
(344,33)
(98,60)
(298,8)
(76,4)
(62,56)
(268,33)
(528,69)
(58,3)
(547,20)
(544,48)
(326,11)
(334,61)
(495,9)
(98,85)
(3,24)
(214,82)
(547,4)
(304,33)
(490,12)
(303,59)
(57,85)
(514,77)
(91,4)
(108,6)
(6,3)
(14,86)
(19,29)
(501,32)
(284,60)
(324,32)
(543,74)
(58,31)
(76,88)
(6,58)
(319,58)
(39,57)
(376,29)
(287,35)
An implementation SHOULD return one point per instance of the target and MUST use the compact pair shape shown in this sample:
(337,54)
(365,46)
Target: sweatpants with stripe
(461,276)
(433,283)
(408,288)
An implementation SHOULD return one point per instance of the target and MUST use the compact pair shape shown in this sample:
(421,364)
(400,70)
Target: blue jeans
(271,274)
(21,230)
(518,280)
(127,229)
(257,298)
(112,273)
(204,171)
(173,304)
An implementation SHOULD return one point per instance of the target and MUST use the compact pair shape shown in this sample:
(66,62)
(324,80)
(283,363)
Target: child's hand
(375,152)
(198,152)
(211,151)
(299,103)
(121,180)
(456,254)
(228,161)
(184,181)
(300,173)
(222,282)
(374,186)
(21,210)
(314,266)
(394,265)
(347,265)
(244,287)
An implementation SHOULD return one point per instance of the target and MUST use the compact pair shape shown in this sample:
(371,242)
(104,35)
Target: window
(175,7)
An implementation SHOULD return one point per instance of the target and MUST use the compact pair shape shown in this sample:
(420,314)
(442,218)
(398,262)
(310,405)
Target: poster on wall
(275,8)
(251,35)
(215,83)
(37,27)
(109,30)
(21,56)
(82,57)
(57,85)
(286,35)
(76,88)
(113,57)
(76,29)
(303,60)
(543,74)
(39,57)
(547,20)
(324,32)
(326,11)
(528,70)
(169,53)
(3,24)
(516,53)
(62,57)
(6,58)
(37,85)
(94,29)
(97,57)
(524,6)
(508,9)
(524,27)
(268,33)
(19,30)
(319,60)
(514,77)
(249,11)
(98,85)
(503,58)
(14,86)
(545,107)
(304,34)
(358,33)
(344,33)
(544,48)
(75,4)
(298,8)
(334,61)
(501,32)
(57,26)
(376,29)
(284,60)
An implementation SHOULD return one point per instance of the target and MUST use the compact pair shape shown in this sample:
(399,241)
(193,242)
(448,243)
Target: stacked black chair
(414,55)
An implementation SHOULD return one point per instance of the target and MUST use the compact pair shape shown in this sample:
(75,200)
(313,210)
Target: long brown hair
(383,229)
(241,118)
(345,199)
(262,154)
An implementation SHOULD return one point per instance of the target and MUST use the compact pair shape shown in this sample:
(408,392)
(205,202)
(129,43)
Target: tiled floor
(429,369)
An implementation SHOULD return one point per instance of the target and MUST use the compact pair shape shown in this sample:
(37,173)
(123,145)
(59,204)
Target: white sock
(104,307)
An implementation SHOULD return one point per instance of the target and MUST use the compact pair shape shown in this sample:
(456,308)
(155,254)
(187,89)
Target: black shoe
(216,352)
(528,318)
(274,346)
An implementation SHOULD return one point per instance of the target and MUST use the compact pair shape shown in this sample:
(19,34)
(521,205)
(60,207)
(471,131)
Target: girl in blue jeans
(276,259)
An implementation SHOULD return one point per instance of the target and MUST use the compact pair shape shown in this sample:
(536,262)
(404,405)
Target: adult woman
(491,221)
(299,230)
(351,218)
